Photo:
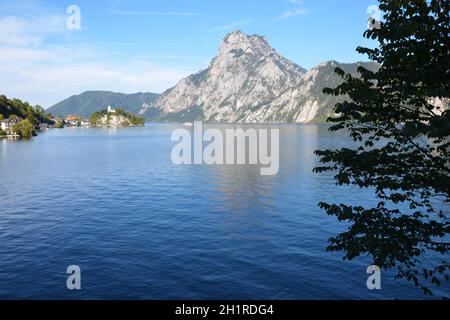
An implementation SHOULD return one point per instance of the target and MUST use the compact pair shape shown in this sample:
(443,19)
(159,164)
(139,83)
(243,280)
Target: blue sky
(131,46)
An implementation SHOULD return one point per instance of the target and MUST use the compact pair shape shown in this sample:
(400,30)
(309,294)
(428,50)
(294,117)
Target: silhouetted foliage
(16,108)
(399,119)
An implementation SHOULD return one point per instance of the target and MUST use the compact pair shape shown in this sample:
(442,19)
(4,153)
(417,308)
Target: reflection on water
(112,202)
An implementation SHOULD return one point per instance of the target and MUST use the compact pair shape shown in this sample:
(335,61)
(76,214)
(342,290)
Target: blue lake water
(112,202)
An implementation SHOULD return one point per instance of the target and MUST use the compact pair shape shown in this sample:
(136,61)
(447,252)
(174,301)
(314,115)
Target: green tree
(95,118)
(24,129)
(131,119)
(399,119)
(1,117)
(16,108)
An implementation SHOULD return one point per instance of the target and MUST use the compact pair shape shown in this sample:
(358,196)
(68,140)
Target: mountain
(83,105)
(248,81)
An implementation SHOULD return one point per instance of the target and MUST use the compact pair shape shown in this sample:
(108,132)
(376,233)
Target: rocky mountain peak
(238,40)
(252,54)
(248,81)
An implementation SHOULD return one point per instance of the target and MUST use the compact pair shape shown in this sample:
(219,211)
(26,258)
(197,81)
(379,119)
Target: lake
(112,202)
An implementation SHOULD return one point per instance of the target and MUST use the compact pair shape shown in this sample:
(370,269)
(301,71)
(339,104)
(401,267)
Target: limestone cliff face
(248,81)
(113,121)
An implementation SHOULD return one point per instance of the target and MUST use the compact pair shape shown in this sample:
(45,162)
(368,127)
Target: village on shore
(25,127)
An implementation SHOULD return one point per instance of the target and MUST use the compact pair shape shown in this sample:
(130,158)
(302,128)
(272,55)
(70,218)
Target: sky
(149,45)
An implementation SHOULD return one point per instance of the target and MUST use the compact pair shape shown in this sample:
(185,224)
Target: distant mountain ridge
(88,102)
(248,81)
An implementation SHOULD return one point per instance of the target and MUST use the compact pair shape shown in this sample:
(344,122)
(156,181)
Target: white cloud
(46,77)
(153,13)
(18,31)
(22,25)
(14,31)
(292,13)
(300,11)
(44,72)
